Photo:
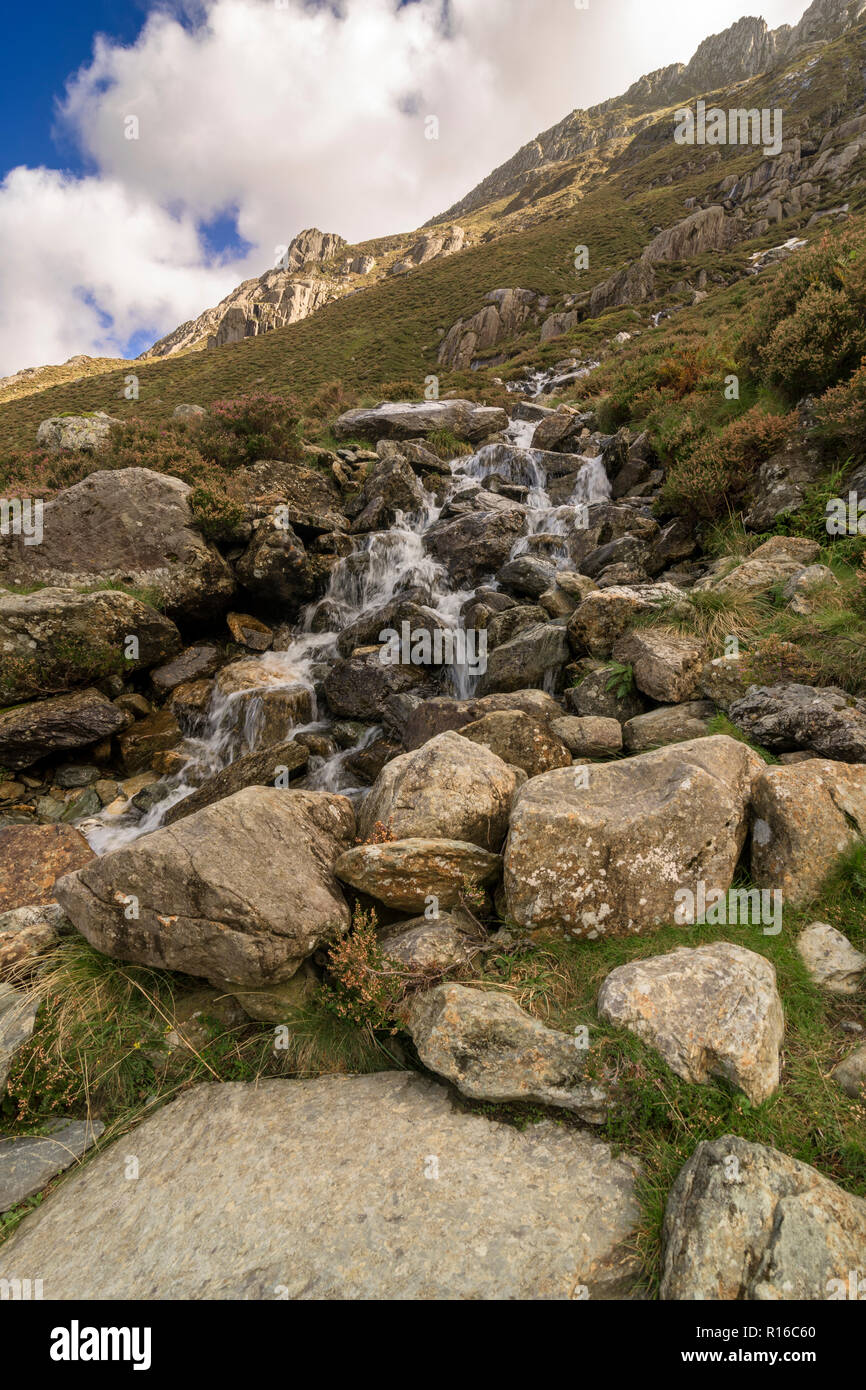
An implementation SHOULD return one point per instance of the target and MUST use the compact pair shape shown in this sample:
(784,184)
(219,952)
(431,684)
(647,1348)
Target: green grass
(661,1118)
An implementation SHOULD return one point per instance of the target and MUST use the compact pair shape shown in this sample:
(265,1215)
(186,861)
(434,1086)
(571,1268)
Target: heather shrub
(809,329)
(841,416)
(257,426)
(715,478)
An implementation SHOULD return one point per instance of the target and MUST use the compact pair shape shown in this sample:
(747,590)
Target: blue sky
(261,117)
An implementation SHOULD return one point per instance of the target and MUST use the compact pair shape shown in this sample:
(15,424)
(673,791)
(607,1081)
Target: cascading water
(384,565)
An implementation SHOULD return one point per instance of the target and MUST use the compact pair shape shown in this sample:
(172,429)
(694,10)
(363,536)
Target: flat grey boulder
(28,1162)
(602,850)
(449,789)
(17,1020)
(411,420)
(709,1011)
(786,717)
(493,1050)
(747,1222)
(129,526)
(55,639)
(240,892)
(831,960)
(342,1188)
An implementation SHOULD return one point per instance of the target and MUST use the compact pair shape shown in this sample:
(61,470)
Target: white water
(384,565)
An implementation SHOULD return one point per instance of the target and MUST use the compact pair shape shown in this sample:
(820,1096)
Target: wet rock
(192,664)
(357,686)
(502,627)
(831,960)
(805,816)
(249,632)
(155,734)
(366,630)
(29,732)
(234,1198)
(270,767)
(709,1011)
(602,850)
(527,576)
(475,546)
(190,704)
(436,716)
(532,658)
(745,1222)
(277,568)
(390,489)
(493,1050)
(450,788)
(242,891)
(405,874)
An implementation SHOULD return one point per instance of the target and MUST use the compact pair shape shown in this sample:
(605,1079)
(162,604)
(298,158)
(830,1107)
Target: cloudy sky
(257,118)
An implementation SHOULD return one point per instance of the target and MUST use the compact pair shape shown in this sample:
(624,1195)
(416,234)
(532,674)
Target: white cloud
(295,116)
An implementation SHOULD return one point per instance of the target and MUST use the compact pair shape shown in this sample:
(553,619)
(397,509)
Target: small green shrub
(258,426)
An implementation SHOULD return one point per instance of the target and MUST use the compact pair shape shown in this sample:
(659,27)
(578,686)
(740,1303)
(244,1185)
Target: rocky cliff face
(281,295)
(744,50)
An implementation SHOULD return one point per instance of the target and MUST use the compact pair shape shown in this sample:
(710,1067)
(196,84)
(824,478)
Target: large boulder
(32,857)
(411,420)
(806,815)
(745,1222)
(709,1011)
(30,732)
(55,639)
(429,945)
(241,892)
(278,568)
(777,561)
(79,433)
(406,874)
(243,1195)
(390,489)
(789,716)
(474,546)
(493,1050)
(124,526)
(602,850)
(449,789)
